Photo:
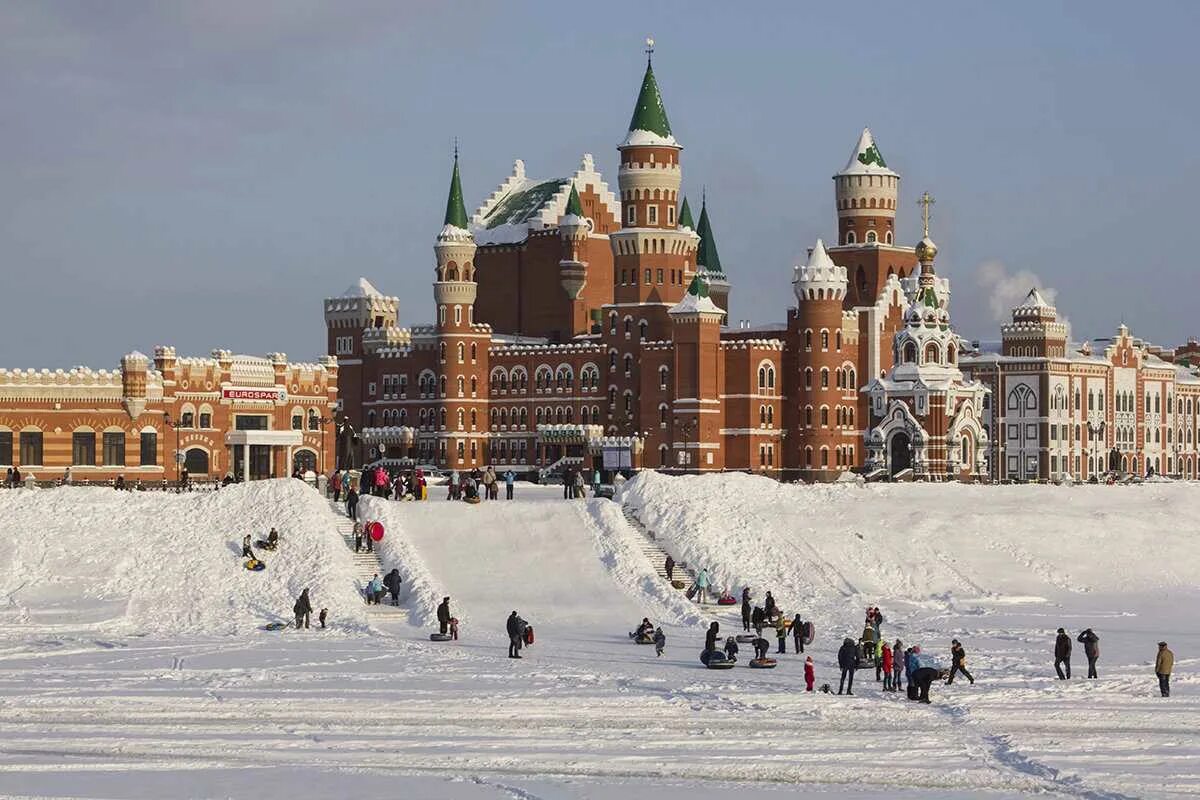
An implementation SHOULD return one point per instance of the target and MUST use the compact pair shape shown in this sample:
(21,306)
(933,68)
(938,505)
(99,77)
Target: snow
(856,167)
(361,288)
(641,138)
(693,304)
(131,665)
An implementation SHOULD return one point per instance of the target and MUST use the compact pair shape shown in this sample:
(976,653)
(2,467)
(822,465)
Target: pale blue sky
(204,174)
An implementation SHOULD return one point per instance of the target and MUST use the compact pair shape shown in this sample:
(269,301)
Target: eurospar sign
(275,395)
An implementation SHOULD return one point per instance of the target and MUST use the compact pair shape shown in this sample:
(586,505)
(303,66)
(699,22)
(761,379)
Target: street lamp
(321,423)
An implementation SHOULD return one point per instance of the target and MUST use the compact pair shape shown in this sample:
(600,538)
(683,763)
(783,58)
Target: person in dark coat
(761,648)
(303,610)
(670,567)
(958,662)
(731,648)
(392,582)
(769,606)
(352,503)
(747,608)
(1091,649)
(710,636)
(1062,655)
(246,551)
(798,633)
(516,634)
(443,615)
(756,620)
(923,678)
(848,661)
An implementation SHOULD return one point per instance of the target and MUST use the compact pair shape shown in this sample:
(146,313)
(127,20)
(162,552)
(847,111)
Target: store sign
(277,395)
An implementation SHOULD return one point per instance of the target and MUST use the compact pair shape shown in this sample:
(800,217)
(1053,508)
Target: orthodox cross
(925,202)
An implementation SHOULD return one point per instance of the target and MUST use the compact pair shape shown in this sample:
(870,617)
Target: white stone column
(246,462)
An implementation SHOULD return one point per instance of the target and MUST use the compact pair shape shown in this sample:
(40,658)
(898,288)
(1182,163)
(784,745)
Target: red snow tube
(727,601)
(529,635)
(375,531)
(763,663)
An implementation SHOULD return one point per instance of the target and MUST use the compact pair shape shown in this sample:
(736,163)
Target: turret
(709,262)
(360,307)
(820,279)
(866,191)
(573,230)
(454,289)
(134,370)
(1034,330)
(652,254)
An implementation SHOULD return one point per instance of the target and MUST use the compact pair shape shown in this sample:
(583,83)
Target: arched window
(910,353)
(808,339)
(931,353)
(887,237)
(851,238)
(762,377)
(762,415)
(642,326)
(195,461)
(770,415)
(663,372)
(824,416)
(808,419)
(297,420)
(442,386)
(824,339)
(442,352)
(770,377)
(313,419)
(808,375)
(824,377)
(871,237)
(838,341)
(628,364)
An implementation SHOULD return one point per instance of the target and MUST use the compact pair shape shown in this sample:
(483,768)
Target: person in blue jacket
(509,477)
(374,590)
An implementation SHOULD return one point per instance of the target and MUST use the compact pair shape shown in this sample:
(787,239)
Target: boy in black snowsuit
(958,662)
(731,649)
(761,648)
(660,642)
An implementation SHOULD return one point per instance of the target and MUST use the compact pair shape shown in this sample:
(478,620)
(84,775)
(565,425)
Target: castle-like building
(575,325)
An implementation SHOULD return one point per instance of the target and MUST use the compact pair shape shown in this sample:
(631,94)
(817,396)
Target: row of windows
(844,415)
(462,351)
(883,202)
(631,216)
(844,376)
(824,338)
(872,238)
(674,277)
(843,454)
(83,448)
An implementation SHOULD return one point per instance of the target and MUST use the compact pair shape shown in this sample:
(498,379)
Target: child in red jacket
(887,668)
(808,673)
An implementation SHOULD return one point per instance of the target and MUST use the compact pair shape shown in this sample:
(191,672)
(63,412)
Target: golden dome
(926,250)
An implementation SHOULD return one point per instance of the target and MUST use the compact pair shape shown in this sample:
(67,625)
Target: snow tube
(745,638)
(809,632)
(439,637)
(763,663)
(640,640)
(718,660)
(375,531)
(678,584)
(262,544)
(276,626)
(473,500)
(727,601)
(254,565)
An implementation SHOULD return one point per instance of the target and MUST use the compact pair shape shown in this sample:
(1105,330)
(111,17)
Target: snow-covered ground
(132,664)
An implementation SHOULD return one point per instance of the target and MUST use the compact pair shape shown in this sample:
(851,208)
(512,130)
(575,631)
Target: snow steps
(366,564)
(653,551)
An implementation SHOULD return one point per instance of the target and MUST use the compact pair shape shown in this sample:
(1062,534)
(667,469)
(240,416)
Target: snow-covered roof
(522,204)
(866,159)
(1034,300)
(361,288)
(696,300)
(648,139)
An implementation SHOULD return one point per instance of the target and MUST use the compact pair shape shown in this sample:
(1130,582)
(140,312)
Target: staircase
(559,466)
(654,552)
(366,564)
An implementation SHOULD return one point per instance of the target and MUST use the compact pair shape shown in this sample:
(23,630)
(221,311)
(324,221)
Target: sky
(203,174)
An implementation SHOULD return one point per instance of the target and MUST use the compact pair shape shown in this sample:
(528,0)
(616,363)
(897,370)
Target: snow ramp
(573,566)
(166,563)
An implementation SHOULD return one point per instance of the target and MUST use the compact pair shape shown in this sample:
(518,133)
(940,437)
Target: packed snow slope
(165,563)
(570,565)
(836,548)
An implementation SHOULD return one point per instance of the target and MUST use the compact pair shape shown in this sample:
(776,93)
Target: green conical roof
(456,212)
(698,287)
(649,113)
(685,216)
(573,205)
(706,254)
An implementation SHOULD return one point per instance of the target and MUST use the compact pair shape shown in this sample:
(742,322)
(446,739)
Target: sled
(474,500)
(439,637)
(375,531)
(254,565)
(809,633)
(678,584)
(727,601)
(276,626)
(529,635)
(763,663)
(691,592)
(745,638)
(263,544)
(640,640)
(717,660)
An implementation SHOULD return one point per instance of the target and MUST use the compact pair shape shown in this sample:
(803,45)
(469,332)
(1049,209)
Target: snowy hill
(154,562)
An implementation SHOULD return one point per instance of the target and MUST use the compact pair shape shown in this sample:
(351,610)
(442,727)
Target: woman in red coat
(887,668)
(809,677)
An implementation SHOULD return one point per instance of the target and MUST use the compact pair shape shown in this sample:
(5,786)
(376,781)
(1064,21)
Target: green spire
(573,204)
(706,254)
(698,287)
(685,216)
(649,113)
(456,212)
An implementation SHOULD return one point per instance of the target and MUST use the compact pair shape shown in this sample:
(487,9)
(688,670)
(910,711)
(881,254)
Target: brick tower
(573,230)
(462,345)
(820,407)
(708,260)
(699,371)
(865,192)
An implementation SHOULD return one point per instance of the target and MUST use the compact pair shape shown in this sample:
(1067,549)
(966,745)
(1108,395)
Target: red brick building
(243,416)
